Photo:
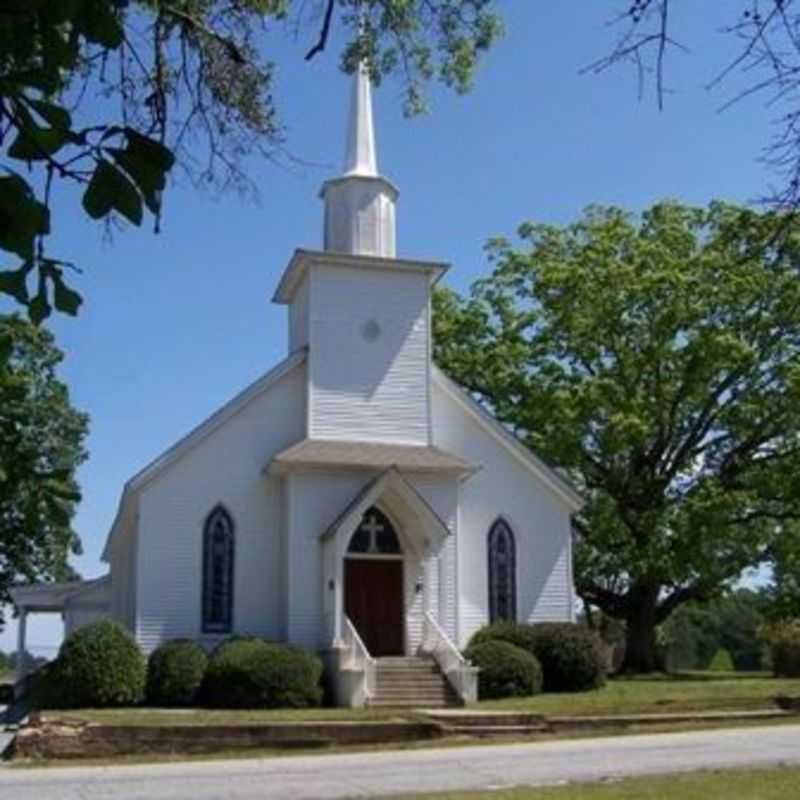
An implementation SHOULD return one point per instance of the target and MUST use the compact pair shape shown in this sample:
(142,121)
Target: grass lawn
(698,691)
(779,783)
(689,692)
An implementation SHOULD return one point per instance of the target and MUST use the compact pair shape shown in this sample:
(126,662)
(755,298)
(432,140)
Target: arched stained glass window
(375,535)
(218,551)
(502,573)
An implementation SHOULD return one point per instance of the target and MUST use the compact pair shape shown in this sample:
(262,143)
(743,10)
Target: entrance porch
(381,581)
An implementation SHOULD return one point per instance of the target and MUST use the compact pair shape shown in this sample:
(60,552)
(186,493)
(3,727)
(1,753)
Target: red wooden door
(373,591)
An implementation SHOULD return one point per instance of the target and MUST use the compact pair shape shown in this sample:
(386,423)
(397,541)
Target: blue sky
(175,324)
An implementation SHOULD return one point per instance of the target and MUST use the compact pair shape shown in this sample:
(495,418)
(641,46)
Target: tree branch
(324,33)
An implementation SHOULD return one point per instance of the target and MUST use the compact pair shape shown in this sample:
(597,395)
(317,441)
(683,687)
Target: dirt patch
(53,737)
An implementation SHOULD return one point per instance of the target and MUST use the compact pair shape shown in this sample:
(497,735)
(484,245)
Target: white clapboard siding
(314,501)
(539,518)
(298,317)
(369,351)
(225,467)
(442,495)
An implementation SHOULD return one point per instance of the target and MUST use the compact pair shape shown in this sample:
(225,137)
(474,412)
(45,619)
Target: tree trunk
(641,648)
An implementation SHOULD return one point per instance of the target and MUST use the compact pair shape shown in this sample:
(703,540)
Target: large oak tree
(657,361)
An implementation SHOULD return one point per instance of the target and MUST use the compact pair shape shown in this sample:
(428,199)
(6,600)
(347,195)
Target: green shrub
(522,636)
(505,670)
(573,658)
(722,661)
(175,672)
(783,639)
(98,665)
(253,673)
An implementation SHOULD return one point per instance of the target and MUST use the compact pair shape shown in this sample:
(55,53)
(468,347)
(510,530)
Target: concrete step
(412,694)
(495,730)
(425,669)
(422,703)
(493,719)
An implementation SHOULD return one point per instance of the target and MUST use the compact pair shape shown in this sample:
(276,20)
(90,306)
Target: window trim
(226,626)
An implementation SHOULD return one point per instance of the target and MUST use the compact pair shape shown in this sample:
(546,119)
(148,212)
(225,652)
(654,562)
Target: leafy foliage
(187,84)
(253,673)
(522,636)
(657,361)
(691,637)
(41,446)
(784,640)
(505,670)
(175,672)
(572,657)
(721,662)
(696,632)
(98,665)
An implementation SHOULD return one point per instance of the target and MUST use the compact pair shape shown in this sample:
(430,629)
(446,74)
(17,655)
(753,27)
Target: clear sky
(174,325)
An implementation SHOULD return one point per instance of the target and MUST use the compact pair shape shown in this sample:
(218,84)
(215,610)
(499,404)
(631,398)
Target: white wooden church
(354,500)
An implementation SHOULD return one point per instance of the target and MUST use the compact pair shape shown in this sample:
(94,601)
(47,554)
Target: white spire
(359,155)
(360,205)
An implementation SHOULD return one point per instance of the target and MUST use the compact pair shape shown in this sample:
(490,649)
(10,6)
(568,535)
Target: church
(353,500)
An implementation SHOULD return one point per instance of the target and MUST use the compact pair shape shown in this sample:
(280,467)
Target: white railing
(462,676)
(358,657)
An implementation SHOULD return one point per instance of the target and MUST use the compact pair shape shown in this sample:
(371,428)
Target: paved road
(409,771)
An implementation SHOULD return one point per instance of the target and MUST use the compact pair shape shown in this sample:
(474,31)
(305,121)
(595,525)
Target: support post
(22,664)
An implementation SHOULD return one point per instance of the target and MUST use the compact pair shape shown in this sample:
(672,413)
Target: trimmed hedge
(253,673)
(519,635)
(572,657)
(98,665)
(175,672)
(505,670)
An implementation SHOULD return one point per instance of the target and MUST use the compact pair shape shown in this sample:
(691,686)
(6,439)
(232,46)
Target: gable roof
(558,484)
(319,453)
(200,432)
(389,480)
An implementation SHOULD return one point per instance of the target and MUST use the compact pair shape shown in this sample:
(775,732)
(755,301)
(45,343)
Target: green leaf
(45,81)
(14,283)
(22,217)
(149,179)
(161,157)
(36,144)
(56,116)
(101,25)
(110,189)
(38,308)
(64,298)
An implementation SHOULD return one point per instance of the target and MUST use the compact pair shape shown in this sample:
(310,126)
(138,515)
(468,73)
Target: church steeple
(359,206)
(359,155)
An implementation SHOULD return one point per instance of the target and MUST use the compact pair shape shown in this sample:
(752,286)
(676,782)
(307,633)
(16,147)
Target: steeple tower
(359,206)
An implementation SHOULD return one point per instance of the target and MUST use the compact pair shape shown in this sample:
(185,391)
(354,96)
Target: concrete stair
(490,724)
(411,683)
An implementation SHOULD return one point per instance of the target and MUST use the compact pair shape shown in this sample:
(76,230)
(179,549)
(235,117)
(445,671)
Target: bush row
(558,657)
(101,665)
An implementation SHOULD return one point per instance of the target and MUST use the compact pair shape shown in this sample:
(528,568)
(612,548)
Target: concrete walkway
(411,771)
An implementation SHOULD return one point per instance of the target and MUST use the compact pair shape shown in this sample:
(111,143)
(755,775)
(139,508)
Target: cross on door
(373,527)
